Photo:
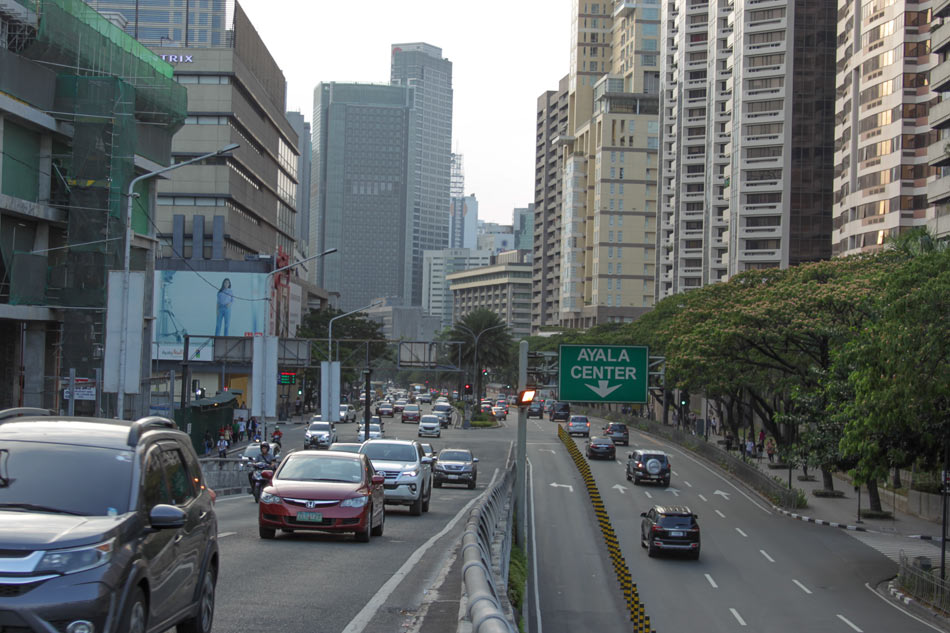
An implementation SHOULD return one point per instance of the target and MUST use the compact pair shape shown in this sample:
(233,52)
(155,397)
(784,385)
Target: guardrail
(486,548)
(224,475)
(923,583)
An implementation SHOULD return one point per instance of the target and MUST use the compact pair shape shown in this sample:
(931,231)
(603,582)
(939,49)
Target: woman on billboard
(225,299)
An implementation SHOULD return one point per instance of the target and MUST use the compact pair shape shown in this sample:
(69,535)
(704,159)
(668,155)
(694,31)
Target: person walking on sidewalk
(750,448)
(222,447)
(761,440)
(770,450)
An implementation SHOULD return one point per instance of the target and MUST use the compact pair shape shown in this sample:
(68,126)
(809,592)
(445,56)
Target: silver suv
(407,469)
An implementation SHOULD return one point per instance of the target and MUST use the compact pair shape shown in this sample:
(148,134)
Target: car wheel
(416,508)
(666,482)
(425,503)
(202,621)
(378,530)
(364,535)
(471,485)
(636,480)
(438,484)
(643,542)
(266,533)
(651,551)
(135,616)
(628,476)
(695,555)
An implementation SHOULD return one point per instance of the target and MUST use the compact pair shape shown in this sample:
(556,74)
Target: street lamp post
(478,381)
(287,267)
(327,409)
(126,270)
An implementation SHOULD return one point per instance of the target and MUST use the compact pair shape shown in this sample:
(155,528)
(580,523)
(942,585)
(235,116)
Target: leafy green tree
(494,343)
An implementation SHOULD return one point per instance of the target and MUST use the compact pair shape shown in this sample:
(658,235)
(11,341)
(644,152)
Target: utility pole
(521,459)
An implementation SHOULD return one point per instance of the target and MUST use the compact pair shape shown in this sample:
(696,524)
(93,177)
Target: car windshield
(411,408)
(441,407)
(455,456)
(308,467)
(68,479)
(390,452)
(676,522)
(345,448)
(578,419)
(603,442)
(320,426)
(431,419)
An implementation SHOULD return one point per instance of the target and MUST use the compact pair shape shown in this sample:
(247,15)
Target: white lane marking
(649,496)
(223,534)
(801,586)
(688,484)
(359,623)
(742,533)
(904,611)
(245,496)
(849,623)
(534,555)
(738,617)
(711,581)
(675,474)
(703,498)
(767,557)
(720,514)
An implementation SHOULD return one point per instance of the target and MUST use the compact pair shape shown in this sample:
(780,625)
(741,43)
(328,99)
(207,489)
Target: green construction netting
(74,38)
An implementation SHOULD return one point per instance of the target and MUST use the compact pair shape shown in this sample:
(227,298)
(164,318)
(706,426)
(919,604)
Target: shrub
(834,494)
(483,423)
(517,577)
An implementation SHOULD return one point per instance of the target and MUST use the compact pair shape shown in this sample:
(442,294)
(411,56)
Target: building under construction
(84,108)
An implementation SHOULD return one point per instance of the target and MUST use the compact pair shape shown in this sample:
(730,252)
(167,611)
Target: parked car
(333,492)
(430,425)
(535,410)
(455,466)
(649,465)
(578,424)
(408,472)
(618,432)
(411,413)
(601,447)
(319,435)
(347,413)
(670,528)
(95,515)
(560,412)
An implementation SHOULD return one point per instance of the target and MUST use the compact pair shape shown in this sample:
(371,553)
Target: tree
(494,343)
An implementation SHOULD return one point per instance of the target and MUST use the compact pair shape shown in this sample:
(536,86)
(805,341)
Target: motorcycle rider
(266,460)
(276,436)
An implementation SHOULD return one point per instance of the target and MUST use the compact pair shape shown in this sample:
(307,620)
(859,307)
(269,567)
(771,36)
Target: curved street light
(475,336)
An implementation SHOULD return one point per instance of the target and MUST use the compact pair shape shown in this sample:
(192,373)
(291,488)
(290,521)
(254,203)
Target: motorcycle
(257,479)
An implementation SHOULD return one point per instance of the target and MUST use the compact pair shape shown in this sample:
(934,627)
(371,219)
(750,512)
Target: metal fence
(486,548)
(918,579)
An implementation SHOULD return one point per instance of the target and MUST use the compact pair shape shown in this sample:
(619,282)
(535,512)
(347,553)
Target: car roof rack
(17,412)
(147,423)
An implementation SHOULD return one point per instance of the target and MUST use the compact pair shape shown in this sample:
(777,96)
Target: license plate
(676,533)
(453,476)
(316,517)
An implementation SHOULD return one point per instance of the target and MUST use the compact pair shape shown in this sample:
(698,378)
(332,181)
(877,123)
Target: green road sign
(603,373)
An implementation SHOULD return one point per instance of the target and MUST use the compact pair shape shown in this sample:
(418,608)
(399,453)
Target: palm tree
(485,342)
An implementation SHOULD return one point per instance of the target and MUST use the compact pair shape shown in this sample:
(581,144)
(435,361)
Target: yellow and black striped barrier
(641,621)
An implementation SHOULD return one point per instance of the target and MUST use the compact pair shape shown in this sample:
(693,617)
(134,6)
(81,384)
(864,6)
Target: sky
(504,54)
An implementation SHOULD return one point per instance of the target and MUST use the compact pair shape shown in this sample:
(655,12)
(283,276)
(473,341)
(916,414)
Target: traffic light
(468,389)
(684,398)
(299,391)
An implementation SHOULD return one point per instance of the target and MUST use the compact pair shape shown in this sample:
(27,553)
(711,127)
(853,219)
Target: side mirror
(643,514)
(629,455)
(267,474)
(379,479)
(474,459)
(427,460)
(164,516)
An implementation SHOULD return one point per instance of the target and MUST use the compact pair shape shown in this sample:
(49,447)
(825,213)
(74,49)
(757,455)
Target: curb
(801,517)
(898,595)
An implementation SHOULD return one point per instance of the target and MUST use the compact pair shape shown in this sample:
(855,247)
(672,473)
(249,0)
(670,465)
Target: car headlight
(354,502)
(267,497)
(70,561)
(409,473)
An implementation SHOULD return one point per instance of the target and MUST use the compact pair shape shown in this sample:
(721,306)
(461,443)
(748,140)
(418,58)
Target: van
(560,411)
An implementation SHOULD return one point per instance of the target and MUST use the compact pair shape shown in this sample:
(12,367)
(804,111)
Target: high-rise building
(457,176)
(504,287)
(302,230)
(938,190)
(421,67)
(175,23)
(361,190)
(884,147)
(748,147)
(609,170)
(546,275)
(463,222)
(437,296)
(522,221)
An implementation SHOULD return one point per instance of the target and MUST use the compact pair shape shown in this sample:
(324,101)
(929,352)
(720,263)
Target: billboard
(204,304)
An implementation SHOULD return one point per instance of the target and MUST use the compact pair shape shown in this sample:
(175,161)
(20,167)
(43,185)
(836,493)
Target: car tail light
(656,529)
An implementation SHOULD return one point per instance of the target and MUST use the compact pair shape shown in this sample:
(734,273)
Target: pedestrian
(714,425)
(770,450)
(222,447)
(298,404)
(750,448)
(242,429)
(253,426)
(761,440)
(208,443)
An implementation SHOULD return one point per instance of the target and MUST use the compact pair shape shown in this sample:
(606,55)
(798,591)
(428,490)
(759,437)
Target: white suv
(347,413)
(407,470)
(430,425)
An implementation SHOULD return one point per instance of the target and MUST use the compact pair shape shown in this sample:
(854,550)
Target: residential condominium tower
(938,191)
(361,185)
(437,295)
(421,67)
(884,145)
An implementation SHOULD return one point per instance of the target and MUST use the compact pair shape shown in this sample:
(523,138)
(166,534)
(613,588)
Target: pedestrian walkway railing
(224,475)
(486,549)
(920,580)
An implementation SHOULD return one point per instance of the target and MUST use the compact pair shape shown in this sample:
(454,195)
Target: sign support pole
(522,454)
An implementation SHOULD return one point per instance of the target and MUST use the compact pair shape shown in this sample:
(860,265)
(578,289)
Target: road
(316,583)
(758,570)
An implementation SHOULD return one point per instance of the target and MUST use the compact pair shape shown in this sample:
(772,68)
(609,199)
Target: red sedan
(331,492)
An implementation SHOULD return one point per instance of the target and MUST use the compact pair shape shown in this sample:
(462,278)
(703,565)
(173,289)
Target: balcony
(940,39)
(941,9)
(937,155)
(625,8)
(938,190)
(940,114)
(940,77)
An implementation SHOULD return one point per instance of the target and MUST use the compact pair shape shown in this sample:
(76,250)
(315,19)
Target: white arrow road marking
(849,623)
(801,586)
(739,617)
(720,514)
(603,389)
(622,489)
(223,534)
(767,557)
(703,498)
(568,486)
(724,495)
(742,533)
(674,491)
(649,496)
(711,581)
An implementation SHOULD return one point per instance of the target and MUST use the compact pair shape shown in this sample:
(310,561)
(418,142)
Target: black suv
(105,526)
(670,528)
(535,410)
(618,432)
(561,411)
(648,465)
